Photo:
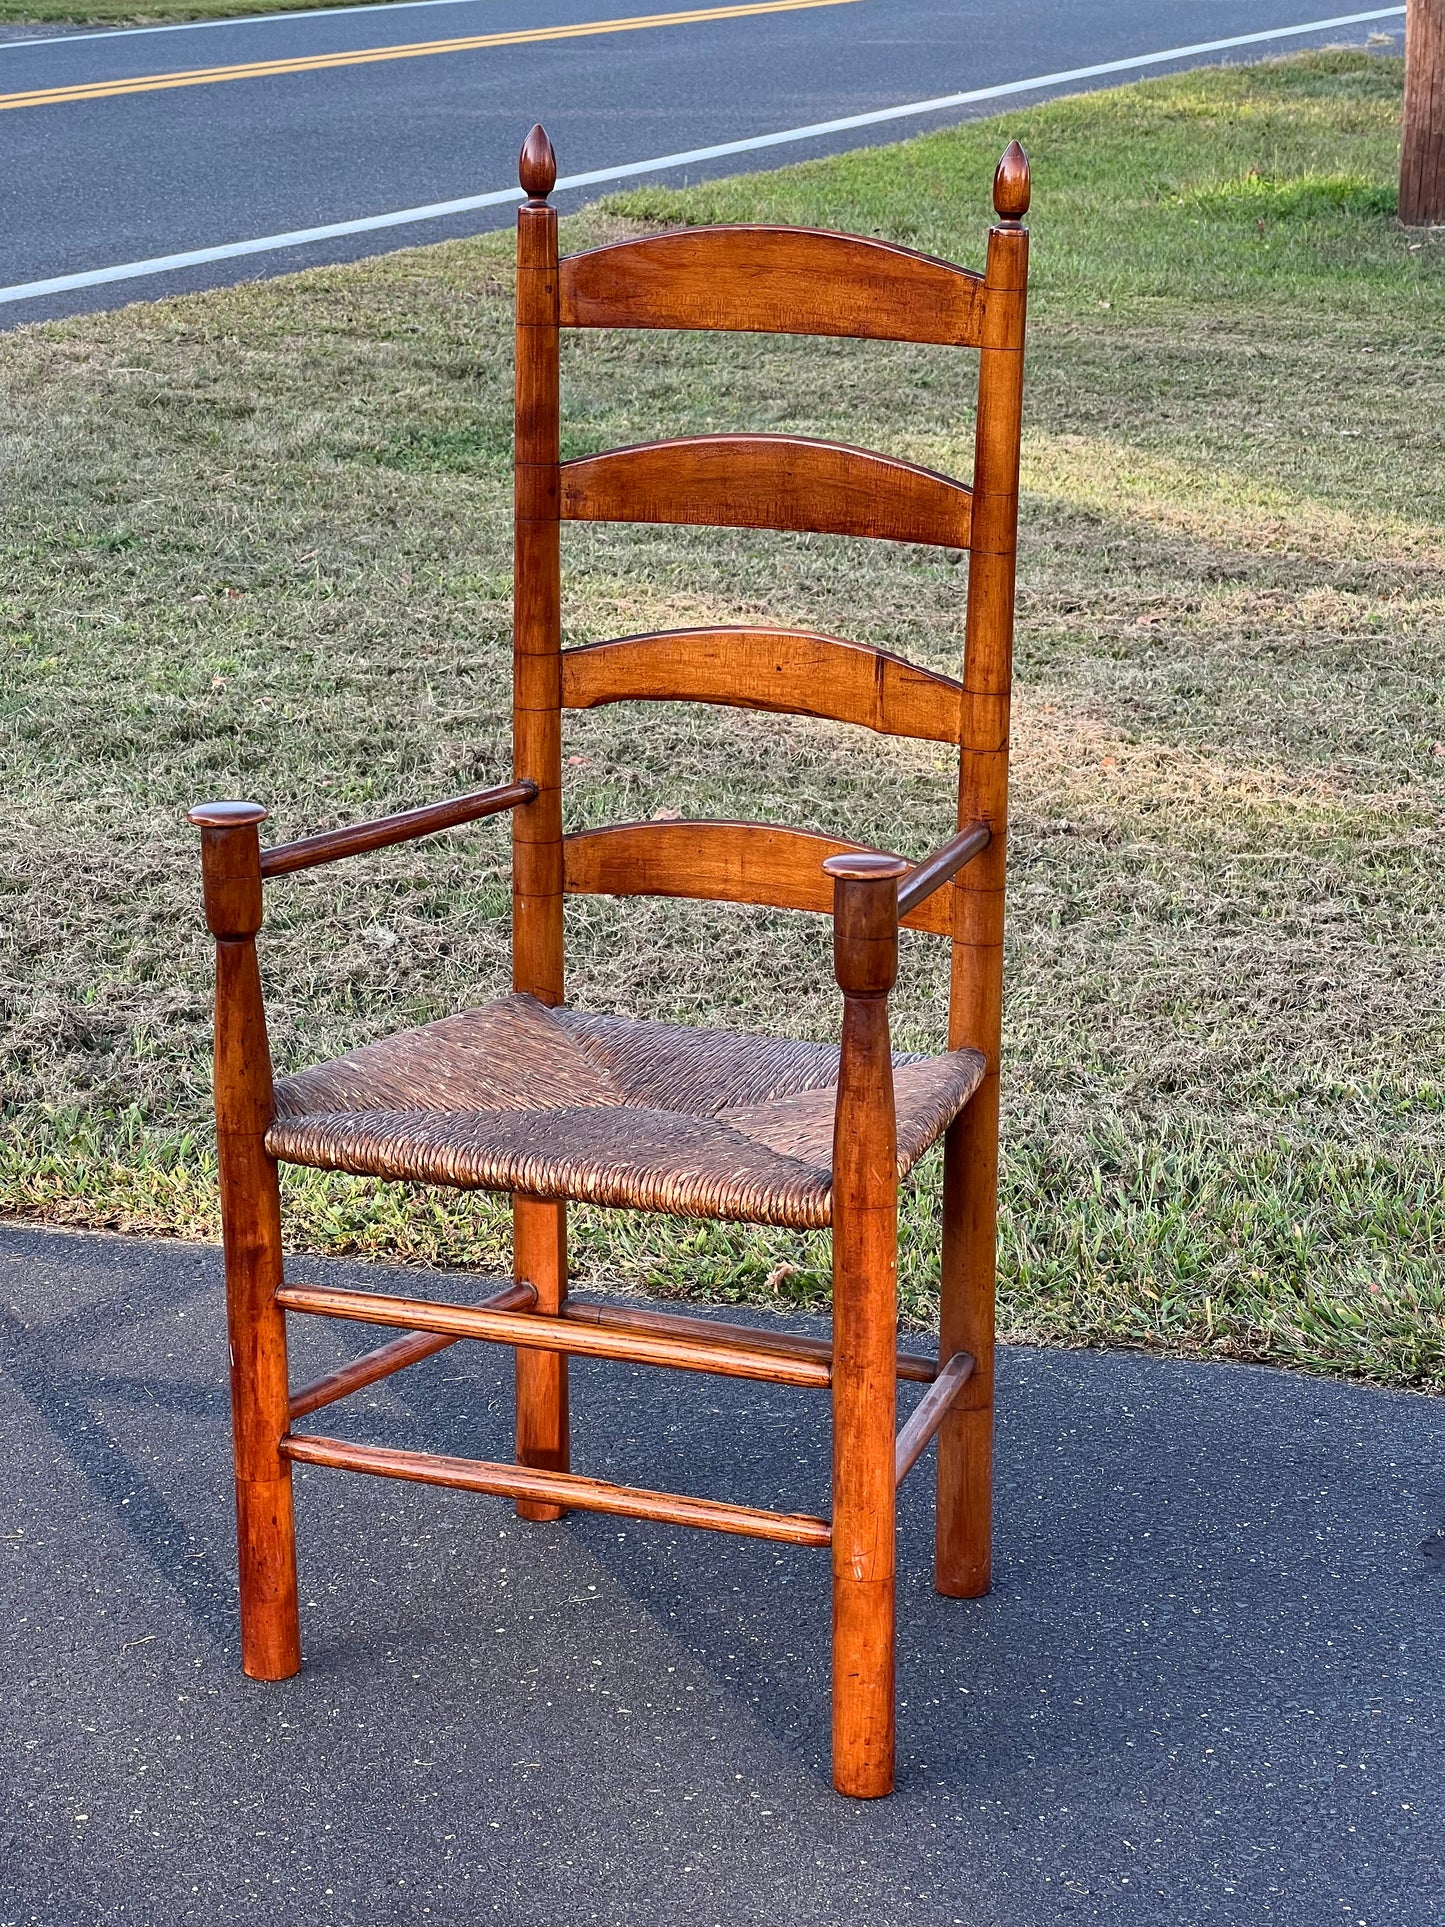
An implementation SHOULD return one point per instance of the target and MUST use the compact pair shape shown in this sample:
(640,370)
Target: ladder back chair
(529,1097)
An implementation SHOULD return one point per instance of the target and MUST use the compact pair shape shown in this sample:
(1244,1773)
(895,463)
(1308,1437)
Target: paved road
(118,177)
(1206,1687)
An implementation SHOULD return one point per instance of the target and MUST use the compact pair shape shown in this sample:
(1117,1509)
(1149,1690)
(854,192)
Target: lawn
(256,542)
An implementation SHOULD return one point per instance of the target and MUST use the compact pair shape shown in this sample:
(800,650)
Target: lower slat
(558,1488)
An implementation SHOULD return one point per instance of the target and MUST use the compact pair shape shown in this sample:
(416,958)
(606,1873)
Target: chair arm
(357,838)
(946,862)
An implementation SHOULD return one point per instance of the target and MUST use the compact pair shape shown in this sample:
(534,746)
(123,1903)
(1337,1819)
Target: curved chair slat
(769,482)
(772,280)
(762,863)
(789,671)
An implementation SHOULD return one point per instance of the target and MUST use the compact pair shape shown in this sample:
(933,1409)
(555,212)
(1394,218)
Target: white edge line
(381,8)
(439,210)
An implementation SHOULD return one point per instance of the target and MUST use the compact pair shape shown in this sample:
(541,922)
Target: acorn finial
(1011,184)
(537,167)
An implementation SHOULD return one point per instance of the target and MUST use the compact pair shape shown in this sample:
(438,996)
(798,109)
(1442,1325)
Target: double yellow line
(413,50)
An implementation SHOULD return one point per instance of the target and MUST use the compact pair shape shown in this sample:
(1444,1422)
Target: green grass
(257,542)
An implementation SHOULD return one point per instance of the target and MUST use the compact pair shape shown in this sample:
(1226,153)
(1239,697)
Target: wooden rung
(929,1413)
(558,1488)
(940,868)
(549,1334)
(916,1366)
(358,839)
(401,1352)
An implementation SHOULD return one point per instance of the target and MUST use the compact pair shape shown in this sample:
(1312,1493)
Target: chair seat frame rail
(741,278)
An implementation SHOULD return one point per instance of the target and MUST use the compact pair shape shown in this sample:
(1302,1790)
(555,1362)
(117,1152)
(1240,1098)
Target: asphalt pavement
(1205,1689)
(92,178)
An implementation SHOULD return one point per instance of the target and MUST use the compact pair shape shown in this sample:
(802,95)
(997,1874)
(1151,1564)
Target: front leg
(865,1327)
(251,1230)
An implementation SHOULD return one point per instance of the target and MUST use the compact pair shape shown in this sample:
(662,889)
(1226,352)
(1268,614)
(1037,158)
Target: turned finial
(1011,184)
(537,167)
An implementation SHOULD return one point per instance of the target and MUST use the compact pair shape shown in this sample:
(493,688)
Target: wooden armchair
(530,1097)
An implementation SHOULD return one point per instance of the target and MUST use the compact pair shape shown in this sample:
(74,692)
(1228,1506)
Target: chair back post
(251,1232)
(962,1564)
(539,1229)
(537,605)
(865,1325)
(976,988)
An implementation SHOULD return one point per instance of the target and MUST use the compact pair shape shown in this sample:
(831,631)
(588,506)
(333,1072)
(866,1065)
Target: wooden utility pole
(1422,147)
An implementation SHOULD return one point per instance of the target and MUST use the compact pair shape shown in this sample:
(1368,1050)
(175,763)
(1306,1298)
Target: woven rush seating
(564,1104)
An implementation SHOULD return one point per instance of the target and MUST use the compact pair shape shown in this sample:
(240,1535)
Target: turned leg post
(539,1246)
(539,1227)
(963,1541)
(865,1327)
(251,1231)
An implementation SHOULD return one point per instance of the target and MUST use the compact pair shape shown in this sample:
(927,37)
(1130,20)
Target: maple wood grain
(729,1358)
(916,1435)
(768,482)
(865,1326)
(395,1357)
(251,1237)
(789,671)
(962,1555)
(762,863)
(558,1490)
(773,280)
(356,839)
(917,1366)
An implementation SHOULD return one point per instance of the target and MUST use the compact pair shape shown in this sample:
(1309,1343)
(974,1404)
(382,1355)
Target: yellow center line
(414,50)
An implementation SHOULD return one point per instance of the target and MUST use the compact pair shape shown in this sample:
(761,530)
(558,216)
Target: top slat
(773,280)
